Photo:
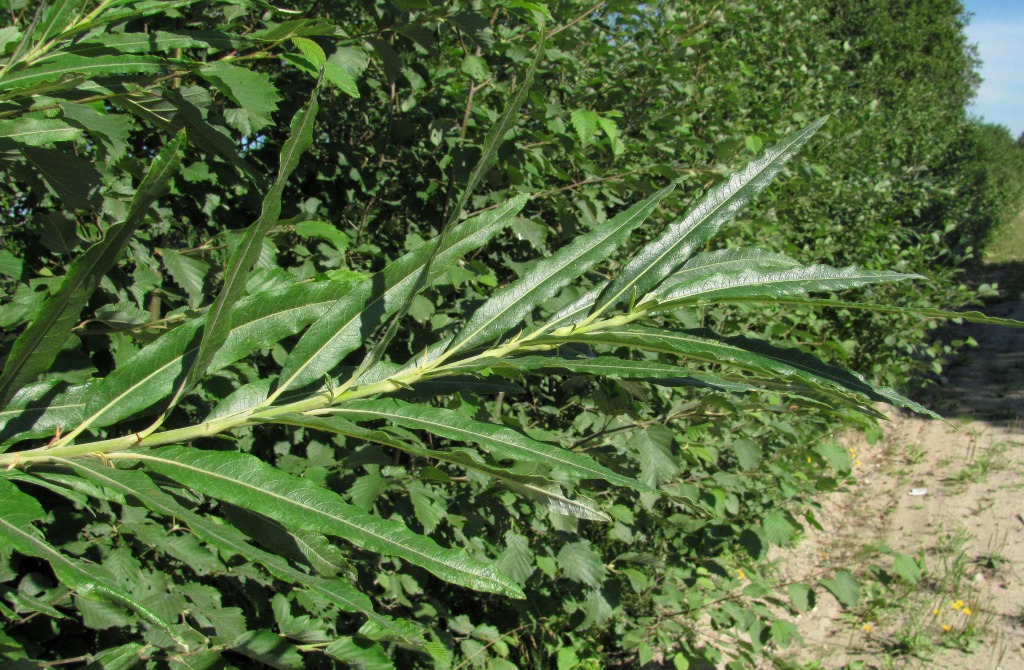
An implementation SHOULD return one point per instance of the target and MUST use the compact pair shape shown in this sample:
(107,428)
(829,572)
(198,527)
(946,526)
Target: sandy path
(952,495)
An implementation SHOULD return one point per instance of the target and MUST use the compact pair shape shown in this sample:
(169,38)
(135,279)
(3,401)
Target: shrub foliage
(448,334)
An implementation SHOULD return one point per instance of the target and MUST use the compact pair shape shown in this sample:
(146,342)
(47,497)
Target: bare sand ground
(951,495)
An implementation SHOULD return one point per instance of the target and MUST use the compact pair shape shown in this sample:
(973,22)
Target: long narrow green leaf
(537,488)
(488,156)
(250,483)
(229,539)
(666,253)
(38,346)
(347,325)
(924,312)
(218,318)
(41,408)
(664,374)
(762,359)
(715,285)
(80,66)
(258,321)
(501,441)
(18,511)
(160,40)
(556,501)
(506,309)
(58,17)
(496,134)
(725,261)
(37,132)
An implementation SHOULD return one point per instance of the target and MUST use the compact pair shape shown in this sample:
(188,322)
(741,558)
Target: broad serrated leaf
(37,347)
(674,246)
(777,527)
(250,483)
(339,77)
(907,568)
(310,50)
(580,562)
(37,132)
(586,123)
(251,90)
(845,587)
(506,309)
(110,129)
(516,559)
(18,511)
(360,654)
(501,441)
(269,650)
(73,179)
(218,317)
(350,321)
(188,273)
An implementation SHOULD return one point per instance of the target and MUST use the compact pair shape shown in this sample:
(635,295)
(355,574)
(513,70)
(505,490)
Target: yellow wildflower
(967,611)
(945,627)
(935,611)
(867,628)
(742,575)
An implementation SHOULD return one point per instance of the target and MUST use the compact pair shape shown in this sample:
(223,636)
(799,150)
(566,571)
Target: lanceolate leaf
(506,309)
(501,441)
(37,132)
(229,539)
(59,15)
(352,319)
(488,156)
(258,321)
(17,511)
(38,346)
(712,286)
(41,408)
(218,318)
(760,358)
(81,66)
(725,261)
(923,312)
(666,253)
(248,482)
(557,502)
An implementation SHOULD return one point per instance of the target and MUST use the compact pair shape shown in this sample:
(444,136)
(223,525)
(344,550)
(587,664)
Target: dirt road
(951,497)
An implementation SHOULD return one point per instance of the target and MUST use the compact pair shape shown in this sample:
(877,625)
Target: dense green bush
(631,500)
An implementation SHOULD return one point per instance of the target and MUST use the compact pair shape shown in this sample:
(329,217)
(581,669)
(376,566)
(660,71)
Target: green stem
(311,405)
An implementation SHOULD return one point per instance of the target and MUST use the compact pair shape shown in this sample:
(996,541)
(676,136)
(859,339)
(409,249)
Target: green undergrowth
(451,335)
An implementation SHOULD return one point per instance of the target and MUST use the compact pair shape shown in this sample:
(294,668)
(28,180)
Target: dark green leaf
(352,318)
(246,481)
(506,309)
(36,348)
(501,441)
(218,317)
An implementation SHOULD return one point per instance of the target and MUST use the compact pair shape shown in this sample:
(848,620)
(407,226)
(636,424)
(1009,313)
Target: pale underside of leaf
(675,245)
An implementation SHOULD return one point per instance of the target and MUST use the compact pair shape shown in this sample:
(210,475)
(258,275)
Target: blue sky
(997,27)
